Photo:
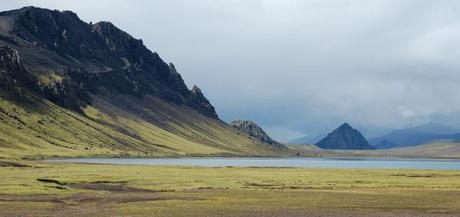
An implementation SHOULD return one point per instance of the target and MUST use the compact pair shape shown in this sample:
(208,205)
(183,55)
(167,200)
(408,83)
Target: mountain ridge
(127,66)
(417,135)
(70,88)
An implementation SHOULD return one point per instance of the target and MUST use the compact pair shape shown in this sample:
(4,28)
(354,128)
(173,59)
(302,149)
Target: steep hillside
(344,137)
(69,88)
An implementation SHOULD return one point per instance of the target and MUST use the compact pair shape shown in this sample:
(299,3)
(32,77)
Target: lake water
(348,162)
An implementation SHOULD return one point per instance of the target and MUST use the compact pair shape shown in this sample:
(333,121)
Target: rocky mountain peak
(255,131)
(196,90)
(344,137)
(199,102)
(345,126)
(119,42)
(51,29)
(173,71)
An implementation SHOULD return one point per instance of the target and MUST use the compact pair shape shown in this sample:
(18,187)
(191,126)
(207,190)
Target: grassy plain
(114,190)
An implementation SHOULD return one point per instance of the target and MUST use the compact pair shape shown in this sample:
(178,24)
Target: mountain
(255,131)
(417,135)
(89,58)
(344,137)
(306,140)
(70,88)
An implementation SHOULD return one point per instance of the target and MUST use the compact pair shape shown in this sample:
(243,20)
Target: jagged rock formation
(255,131)
(344,137)
(10,62)
(89,59)
(199,102)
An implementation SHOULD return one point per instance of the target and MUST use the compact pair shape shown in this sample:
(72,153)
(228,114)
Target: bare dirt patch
(98,186)
(51,181)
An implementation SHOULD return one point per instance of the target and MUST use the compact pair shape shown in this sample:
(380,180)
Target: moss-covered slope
(32,127)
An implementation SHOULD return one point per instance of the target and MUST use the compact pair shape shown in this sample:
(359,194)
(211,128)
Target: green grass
(236,191)
(191,178)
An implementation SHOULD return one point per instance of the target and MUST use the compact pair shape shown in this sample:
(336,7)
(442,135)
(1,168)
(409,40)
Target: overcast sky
(300,67)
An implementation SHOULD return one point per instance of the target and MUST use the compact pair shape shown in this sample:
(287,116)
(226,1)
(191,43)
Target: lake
(348,162)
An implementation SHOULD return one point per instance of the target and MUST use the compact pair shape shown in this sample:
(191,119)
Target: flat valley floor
(42,189)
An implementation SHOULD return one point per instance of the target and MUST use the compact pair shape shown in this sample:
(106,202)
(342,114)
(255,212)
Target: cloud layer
(303,67)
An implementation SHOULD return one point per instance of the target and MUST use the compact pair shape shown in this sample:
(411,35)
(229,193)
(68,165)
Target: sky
(302,67)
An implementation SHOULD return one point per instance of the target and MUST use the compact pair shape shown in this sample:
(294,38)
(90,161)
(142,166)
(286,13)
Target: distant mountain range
(423,134)
(346,138)
(406,137)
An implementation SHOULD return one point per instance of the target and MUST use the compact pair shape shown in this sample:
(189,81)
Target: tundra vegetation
(43,189)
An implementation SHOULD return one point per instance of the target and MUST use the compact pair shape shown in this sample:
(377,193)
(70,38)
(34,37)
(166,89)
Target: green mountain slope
(32,127)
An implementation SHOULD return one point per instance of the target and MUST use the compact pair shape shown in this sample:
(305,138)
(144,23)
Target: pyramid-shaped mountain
(345,137)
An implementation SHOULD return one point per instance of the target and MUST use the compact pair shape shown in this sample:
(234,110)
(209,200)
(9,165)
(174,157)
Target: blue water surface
(347,162)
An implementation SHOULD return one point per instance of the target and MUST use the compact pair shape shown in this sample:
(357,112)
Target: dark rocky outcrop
(255,131)
(13,75)
(10,67)
(88,59)
(199,102)
(344,137)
